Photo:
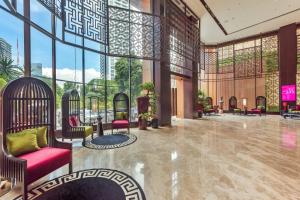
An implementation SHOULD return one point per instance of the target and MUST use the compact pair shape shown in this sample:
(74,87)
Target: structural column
(162,71)
(27,45)
(195,86)
(287,56)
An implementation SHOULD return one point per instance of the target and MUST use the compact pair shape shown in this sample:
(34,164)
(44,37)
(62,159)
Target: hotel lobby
(149,99)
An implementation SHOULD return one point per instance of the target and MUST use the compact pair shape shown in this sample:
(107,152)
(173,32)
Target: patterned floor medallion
(91,184)
(110,141)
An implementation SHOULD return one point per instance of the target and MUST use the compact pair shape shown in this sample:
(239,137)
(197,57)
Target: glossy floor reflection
(218,157)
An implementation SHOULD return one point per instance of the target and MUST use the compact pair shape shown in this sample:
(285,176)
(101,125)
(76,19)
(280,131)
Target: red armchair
(121,112)
(29,103)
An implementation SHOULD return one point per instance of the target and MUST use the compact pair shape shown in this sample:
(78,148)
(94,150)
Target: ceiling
(243,18)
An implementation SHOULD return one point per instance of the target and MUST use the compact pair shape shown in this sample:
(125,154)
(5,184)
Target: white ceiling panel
(236,15)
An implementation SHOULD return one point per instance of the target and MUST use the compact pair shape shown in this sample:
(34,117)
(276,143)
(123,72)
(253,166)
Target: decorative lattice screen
(134,34)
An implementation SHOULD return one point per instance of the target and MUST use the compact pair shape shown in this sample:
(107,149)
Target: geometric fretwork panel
(245,62)
(270,54)
(272,91)
(225,59)
(53,6)
(102,65)
(134,34)
(183,35)
(202,57)
(86,18)
(258,62)
(210,61)
(145,34)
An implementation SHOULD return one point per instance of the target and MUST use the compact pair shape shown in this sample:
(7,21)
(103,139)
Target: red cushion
(73,121)
(254,110)
(44,161)
(120,123)
(297,107)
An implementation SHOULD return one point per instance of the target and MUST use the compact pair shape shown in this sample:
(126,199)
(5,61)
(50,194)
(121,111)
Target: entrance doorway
(181,97)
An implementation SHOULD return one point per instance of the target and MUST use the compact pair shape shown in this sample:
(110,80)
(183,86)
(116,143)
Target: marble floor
(218,157)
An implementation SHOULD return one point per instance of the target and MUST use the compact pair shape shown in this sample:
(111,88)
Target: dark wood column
(27,43)
(195,86)
(163,88)
(288,56)
(162,73)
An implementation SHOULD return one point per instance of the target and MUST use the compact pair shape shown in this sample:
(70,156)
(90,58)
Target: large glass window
(79,63)
(95,85)
(68,73)
(68,63)
(118,81)
(41,55)
(141,72)
(11,47)
(40,15)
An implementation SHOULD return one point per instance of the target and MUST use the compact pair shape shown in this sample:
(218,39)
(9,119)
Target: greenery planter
(154,123)
(143,124)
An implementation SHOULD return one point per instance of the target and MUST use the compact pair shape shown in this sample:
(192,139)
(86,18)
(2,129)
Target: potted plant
(150,88)
(202,102)
(143,122)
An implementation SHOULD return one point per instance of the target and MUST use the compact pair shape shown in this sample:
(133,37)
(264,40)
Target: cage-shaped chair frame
(71,107)
(121,105)
(25,103)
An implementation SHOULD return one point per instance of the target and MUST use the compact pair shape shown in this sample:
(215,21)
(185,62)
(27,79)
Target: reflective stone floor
(218,157)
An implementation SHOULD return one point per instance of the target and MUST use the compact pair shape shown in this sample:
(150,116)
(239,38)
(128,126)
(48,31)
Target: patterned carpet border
(132,190)
(132,139)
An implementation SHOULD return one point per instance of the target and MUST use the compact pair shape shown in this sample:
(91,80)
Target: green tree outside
(122,77)
(8,71)
(2,83)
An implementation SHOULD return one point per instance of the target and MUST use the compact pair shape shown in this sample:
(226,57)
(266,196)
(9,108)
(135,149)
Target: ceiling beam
(214,16)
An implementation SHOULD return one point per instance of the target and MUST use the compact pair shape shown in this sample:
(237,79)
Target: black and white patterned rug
(91,184)
(110,141)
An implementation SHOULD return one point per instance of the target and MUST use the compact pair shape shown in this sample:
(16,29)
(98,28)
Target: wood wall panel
(288,54)
(245,88)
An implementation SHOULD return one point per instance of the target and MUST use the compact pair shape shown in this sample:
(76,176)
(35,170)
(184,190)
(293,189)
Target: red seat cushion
(120,123)
(73,121)
(297,107)
(254,110)
(44,161)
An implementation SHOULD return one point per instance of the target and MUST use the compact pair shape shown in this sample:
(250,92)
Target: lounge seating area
(30,149)
(149,99)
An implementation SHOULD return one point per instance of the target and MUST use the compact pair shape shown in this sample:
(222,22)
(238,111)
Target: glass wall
(11,47)
(68,60)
